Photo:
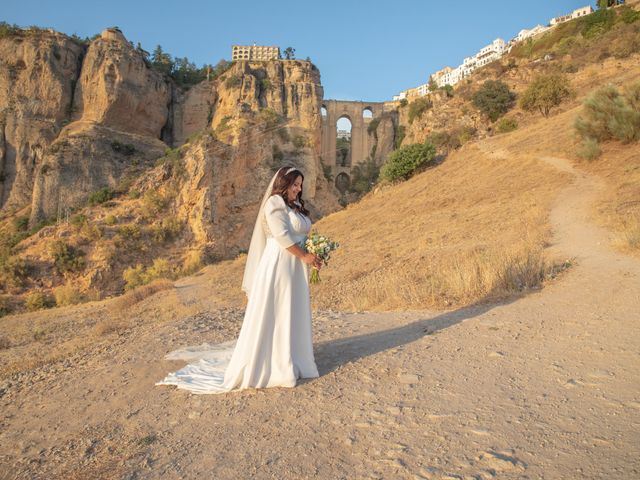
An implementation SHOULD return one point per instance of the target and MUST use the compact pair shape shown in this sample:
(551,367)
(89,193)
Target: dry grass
(618,208)
(129,299)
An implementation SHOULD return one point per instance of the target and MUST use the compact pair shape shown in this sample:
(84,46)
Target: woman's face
(294,189)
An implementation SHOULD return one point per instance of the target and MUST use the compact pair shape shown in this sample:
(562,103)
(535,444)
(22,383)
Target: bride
(274,347)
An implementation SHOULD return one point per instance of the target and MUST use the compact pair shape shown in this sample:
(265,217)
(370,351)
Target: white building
(254,52)
(578,12)
(524,33)
(343,134)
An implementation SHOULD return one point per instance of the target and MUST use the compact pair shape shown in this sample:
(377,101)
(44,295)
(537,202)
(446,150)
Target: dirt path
(545,386)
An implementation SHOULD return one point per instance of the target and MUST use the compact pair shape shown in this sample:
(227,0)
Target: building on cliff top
(254,52)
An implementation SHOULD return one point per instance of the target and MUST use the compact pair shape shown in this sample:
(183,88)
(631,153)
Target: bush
(101,196)
(493,99)
(193,261)
(404,102)
(364,176)
(78,219)
(21,223)
(138,275)
(506,125)
(168,229)
(13,271)
(122,148)
(545,93)
(404,162)
(38,301)
(589,149)
(373,126)
(398,135)
(233,81)
(609,114)
(66,258)
(465,134)
(110,220)
(129,231)
(153,203)
(67,295)
(444,140)
(418,107)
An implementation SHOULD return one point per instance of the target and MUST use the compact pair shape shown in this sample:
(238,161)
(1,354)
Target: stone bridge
(360,114)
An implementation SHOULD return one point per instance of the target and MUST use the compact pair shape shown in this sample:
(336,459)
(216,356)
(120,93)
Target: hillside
(478,321)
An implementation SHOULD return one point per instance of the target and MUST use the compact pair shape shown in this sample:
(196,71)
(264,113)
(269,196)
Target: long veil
(205,373)
(258,241)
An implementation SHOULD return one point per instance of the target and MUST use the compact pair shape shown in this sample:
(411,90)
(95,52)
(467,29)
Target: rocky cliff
(78,118)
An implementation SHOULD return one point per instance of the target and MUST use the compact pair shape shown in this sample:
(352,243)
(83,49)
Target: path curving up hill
(545,386)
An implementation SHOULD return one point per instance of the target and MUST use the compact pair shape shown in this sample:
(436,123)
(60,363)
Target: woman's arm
(306,257)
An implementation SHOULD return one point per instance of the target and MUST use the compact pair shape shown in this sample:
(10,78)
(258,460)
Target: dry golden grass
(126,301)
(618,209)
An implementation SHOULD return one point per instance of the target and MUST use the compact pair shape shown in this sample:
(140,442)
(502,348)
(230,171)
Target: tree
(433,86)
(290,53)
(162,61)
(545,92)
(493,99)
(404,162)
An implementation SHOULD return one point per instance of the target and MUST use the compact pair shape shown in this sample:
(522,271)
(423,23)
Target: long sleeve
(277,218)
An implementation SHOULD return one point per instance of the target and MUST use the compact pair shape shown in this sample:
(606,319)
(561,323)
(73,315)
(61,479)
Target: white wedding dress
(274,347)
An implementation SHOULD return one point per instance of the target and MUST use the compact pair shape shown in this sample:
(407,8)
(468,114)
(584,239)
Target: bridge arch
(360,114)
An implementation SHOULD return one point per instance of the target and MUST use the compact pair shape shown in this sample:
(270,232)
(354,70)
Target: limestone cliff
(77,118)
(38,74)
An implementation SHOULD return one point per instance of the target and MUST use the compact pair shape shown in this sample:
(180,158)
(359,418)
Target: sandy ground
(545,386)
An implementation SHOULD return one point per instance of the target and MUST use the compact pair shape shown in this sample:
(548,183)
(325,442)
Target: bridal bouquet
(321,246)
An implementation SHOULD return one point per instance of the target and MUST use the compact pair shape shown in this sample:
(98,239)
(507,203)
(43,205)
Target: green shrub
(589,149)
(545,93)
(153,203)
(373,126)
(168,229)
(101,196)
(233,81)
(78,219)
(444,140)
(38,301)
(21,223)
(466,133)
(418,107)
(67,258)
(134,277)
(493,99)
(404,102)
(364,176)
(13,271)
(448,89)
(608,114)
(122,148)
(138,275)
(129,231)
(506,125)
(224,124)
(404,162)
(67,295)
(629,15)
(110,220)
(399,135)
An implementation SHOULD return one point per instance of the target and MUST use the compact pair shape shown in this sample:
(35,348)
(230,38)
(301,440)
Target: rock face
(118,89)
(76,118)
(38,74)
(266,115)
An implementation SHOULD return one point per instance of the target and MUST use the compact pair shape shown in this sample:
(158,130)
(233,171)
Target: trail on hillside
(544,386)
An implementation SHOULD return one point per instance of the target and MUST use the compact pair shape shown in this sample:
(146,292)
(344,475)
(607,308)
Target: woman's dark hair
(283,181)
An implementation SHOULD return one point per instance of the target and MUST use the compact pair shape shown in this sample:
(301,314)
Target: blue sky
(365,50)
